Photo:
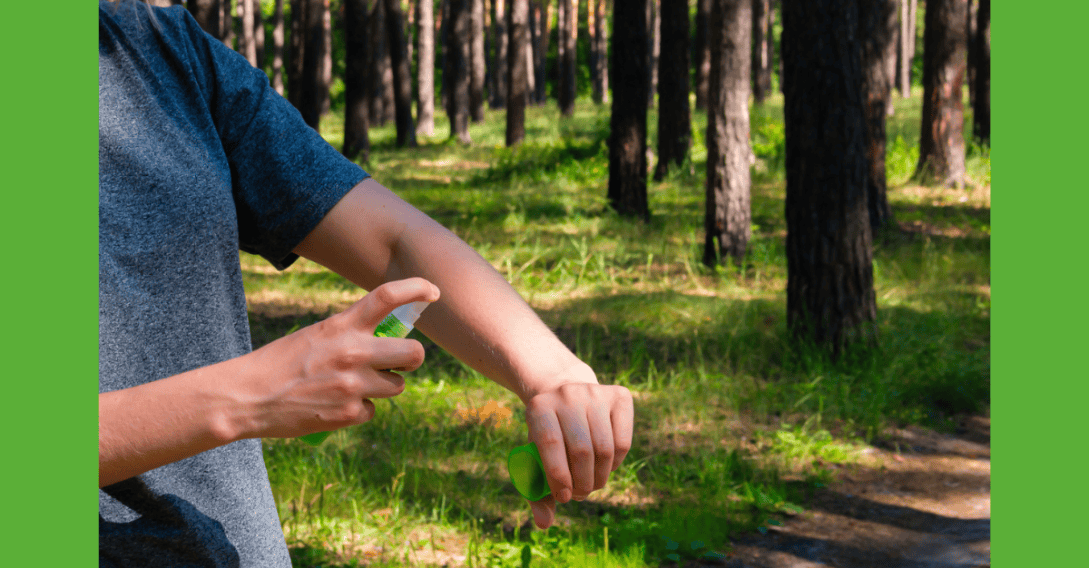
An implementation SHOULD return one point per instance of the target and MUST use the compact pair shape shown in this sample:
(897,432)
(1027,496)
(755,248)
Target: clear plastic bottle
(397,324)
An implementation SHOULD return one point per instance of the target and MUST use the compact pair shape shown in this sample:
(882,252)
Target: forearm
(480,318)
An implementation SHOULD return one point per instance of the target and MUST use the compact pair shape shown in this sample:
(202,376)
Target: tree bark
(981,112)
(876,29)
(278,48)
(599,53)
(380,71)
(402,75)
(830,295)
(654,46)
(356,120)
(761,54)
(568,36)
(249,41)
(941,136)
(908,15)
(971,18)
(425,69)
(628,122)
(498,93)
(702,52)
(259,34)
(304,87)
(459,61)
(326,56)
(518,84)
(728,211)
(674,118)
(543,14)
(226,23)
(478,61)
(206,13)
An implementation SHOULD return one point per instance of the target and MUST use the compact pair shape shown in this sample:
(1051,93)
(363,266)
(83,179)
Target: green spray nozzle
(397,324)
(527,472)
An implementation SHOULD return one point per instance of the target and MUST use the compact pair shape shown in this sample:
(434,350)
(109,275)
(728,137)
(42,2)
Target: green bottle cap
(527,472)
(316,438)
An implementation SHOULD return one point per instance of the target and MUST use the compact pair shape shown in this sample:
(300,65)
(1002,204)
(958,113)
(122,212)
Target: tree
(830,295)
(702,52)
(674,118)
(628,122)
(458,60)
(981,115)
(278,47)
(402,75)
(542,15)
(761,49)
(380,71)
(356,120)
(498,91)
(518,83)
(654,46)
(941,138)
(568,36)
(906,54)
(307,42)
(226,23)
(599,52)
(425,69)
(206,13)
(249,39)
(478,61)
(728,218)
(877,28)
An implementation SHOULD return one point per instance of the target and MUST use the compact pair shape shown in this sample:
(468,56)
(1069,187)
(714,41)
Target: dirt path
(918,500)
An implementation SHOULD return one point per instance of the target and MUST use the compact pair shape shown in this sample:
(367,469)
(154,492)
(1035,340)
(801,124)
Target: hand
(583,432)
(322,376)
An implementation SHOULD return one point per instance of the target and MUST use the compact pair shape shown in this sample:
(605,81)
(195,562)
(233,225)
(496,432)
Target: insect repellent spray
(397,324)
(527,472)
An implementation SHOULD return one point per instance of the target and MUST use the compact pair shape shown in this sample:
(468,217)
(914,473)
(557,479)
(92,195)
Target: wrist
(576,371)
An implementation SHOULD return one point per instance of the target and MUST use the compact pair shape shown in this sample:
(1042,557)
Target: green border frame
(50,286)
(1038,215)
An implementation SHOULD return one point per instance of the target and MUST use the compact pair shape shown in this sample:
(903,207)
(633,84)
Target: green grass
(734,423)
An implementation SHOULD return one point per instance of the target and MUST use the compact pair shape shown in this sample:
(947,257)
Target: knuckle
(581,452)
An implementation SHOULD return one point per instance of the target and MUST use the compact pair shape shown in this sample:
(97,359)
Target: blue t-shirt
(198,158)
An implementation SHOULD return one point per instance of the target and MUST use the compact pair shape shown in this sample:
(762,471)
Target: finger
(389,385)
(375,306)
(393,354)
(544,512)
(545,432)
(580,454)
(601,434)
(622,415)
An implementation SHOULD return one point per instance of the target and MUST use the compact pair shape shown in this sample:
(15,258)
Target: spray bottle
(397,324)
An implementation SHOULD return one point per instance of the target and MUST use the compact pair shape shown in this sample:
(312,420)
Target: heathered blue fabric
(198,157)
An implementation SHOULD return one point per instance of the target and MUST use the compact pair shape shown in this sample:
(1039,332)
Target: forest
(770,219)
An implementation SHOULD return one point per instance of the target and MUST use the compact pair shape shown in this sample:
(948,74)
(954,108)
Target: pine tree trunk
(830,295)
(702,52)
(226,23)
(628,122)
(981,115)
(941,136)
(459,61)
(259,33)
(876,31)
(206,13)
(402,75)
(326,56)
(425,69)
(728,217)
(502,39)
(761,55)
(908,14)
(356,120)
(518,87)
(544,33)
(971,18)
(278,48)
(567,36)
(307,47)
(674,118)
(654,46)
(600,51)
(249,41)
(478,61)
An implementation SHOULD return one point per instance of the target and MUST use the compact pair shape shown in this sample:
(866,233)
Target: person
(198,158)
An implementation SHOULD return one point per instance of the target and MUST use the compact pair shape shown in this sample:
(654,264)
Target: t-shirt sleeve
(285,176)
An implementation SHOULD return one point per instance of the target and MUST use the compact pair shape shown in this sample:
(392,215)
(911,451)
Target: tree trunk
(259,33)
(702,52)
(459,61)
(981,115)
(941,136)
(599,50)
(478,61)
(445,46)
(830,295)
(378,59)
(876,30)
(543,13)
(518,81)
(249,41)
(206,13)
(908,15)
(728,217)
(356,120)
(278,48)
(971,18)
(402,75)
(498,94)
(674,118)
(761,54)
(628,122)
(567,36)
(326,56)
(654,47)
(425,69)
(307,46)
(226,23)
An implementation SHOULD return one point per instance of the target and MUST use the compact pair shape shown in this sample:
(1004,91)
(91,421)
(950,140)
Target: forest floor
(919,499)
